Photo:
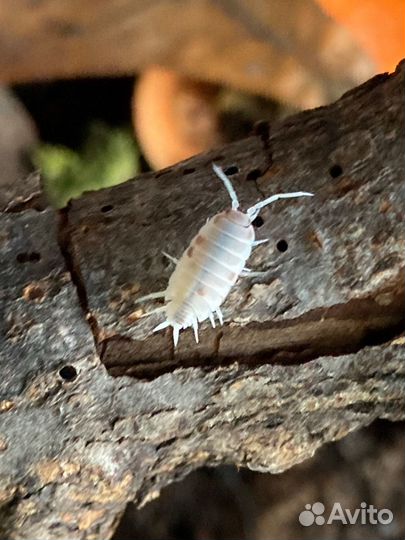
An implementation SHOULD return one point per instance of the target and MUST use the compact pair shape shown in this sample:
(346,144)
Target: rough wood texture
(308,353)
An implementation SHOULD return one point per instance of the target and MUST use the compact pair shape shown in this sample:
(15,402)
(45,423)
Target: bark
(96,411)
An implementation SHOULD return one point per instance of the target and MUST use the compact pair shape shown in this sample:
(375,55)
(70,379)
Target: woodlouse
(211,264)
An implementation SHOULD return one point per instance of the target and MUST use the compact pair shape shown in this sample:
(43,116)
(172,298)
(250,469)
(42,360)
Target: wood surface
(96,411)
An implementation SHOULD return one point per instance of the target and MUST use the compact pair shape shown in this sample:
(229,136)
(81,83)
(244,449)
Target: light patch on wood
(135,315)
(99,490)
(399,341)
(33,293)
(3,444)
(48,471)
(69,468)
(6,405)
(152,495)
(7,494)
(89,518)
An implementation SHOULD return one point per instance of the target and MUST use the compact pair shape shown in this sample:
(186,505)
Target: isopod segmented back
(211,264)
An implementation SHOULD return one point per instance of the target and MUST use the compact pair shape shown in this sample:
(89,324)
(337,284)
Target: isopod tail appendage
(220,316)
(161,326)
(176,332)
(254,210)
(195,328)
(228,185)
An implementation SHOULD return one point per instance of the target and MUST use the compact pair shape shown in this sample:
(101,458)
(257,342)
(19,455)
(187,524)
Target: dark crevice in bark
(338,330)
(36,201)
(217,342)
(66,249)
(262,130)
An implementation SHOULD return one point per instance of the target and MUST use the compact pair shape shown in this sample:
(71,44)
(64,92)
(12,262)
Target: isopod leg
(170,257)
(211,317)
(228,185)
(247,272)
(195,328)
(151,296)
(258,242)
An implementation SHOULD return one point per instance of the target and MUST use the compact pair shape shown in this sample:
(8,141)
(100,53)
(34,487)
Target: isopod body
(211,264)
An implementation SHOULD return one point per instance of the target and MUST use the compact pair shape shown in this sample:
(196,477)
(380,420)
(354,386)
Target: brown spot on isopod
(200,240)
(201,292)
(190,251)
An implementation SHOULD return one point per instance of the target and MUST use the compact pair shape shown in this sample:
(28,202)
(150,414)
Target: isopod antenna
(228,184)
(254,211)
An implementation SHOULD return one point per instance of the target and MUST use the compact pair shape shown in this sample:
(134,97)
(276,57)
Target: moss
(108,157)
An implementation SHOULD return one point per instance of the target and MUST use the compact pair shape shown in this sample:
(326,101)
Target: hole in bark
(188,171)
(282,246)
(274,421)
(253,174)
(335,171)
(229,171)
(258,222)
(68,373)
(28,257)
(107,208)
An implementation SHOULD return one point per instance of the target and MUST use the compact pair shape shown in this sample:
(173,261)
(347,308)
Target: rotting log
(96,411)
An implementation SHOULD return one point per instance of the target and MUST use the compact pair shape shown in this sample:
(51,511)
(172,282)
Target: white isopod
(211,264)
